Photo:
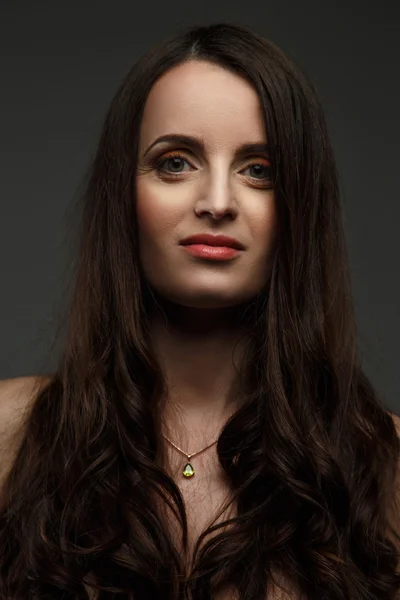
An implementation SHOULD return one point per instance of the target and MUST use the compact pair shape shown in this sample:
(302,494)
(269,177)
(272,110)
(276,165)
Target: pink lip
(213,240)
(211,252)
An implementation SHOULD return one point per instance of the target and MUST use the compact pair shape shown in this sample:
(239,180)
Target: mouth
(211,252)
(215,240)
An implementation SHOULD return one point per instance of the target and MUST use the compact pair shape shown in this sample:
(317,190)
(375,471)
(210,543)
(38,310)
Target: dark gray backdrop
(61,63)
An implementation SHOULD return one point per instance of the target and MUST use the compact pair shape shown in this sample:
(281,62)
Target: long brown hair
(311,454)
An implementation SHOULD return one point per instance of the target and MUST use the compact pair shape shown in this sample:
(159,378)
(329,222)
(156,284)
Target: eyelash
(161,171)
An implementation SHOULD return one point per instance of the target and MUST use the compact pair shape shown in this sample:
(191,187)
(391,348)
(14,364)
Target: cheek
(157,211)
(263,223)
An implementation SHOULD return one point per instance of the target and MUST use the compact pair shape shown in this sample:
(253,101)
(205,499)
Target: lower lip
(212,252)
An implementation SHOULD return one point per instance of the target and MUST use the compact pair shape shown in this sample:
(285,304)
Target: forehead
(205,100)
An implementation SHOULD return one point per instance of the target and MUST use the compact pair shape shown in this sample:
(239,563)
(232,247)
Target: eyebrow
(198,144)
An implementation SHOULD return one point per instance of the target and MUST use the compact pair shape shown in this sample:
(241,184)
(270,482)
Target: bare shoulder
(394,509)
(396,421)
(16,396)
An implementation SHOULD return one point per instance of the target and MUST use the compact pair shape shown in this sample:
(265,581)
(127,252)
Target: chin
(206,300)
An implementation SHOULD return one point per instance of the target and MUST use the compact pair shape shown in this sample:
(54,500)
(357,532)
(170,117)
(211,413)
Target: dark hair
(312,453)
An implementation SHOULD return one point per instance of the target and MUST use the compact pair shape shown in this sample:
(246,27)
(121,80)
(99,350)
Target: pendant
(188,471)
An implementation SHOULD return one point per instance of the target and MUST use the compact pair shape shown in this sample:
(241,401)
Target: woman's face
(213,188)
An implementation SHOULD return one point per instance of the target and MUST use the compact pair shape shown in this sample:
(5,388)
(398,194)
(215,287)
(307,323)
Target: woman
(209,432)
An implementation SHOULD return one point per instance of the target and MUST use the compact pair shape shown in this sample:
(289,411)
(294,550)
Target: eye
(266,172)
(167,164)
(171,166)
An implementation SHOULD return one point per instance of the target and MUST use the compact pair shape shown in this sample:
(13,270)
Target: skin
(194,330)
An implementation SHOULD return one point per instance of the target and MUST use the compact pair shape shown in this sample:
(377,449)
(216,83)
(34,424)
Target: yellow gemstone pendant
(188,471)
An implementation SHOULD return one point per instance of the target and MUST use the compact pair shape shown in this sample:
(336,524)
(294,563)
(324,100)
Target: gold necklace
(188,470)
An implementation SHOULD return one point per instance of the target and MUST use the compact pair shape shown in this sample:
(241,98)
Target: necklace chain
(185,453)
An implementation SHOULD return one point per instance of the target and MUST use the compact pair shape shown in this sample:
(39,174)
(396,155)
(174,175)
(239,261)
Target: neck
(199,351)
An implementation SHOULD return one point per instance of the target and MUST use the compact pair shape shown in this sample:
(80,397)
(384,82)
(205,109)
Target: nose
(218,199)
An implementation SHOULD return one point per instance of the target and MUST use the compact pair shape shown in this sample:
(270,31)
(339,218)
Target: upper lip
(212,240)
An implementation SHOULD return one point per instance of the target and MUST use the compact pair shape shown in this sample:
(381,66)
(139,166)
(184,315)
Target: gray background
(61,63)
